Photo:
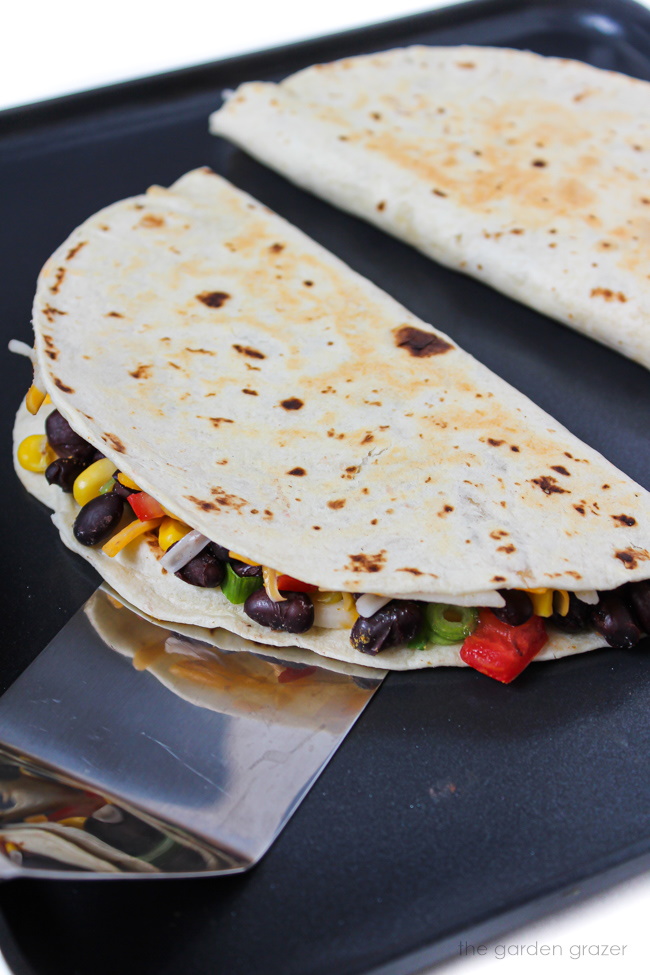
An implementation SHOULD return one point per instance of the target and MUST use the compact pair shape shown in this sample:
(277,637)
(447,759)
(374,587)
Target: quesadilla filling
(498,641)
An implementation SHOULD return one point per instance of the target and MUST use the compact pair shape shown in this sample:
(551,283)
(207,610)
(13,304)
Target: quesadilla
(529,173)
(252,436)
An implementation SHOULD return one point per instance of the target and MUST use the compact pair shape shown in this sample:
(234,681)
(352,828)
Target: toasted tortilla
(290,410)
(530,173)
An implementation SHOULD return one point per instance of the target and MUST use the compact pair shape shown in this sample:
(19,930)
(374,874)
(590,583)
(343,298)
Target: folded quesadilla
(529,173)
(238,431)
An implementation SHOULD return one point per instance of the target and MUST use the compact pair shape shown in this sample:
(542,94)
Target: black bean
(98,519)
(121,490)
(518,608)
(63,472)
(219,551)
(637,597)
(613,620)
(203,570)
(578,617)
(294,615)
(64,441)
(244,570)
(391,626)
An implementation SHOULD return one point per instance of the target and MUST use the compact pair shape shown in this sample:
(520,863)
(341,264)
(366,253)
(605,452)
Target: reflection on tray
(47,824)
(219,670)
(277,714)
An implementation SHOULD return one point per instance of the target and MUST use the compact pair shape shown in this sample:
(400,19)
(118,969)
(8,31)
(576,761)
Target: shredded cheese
(270,578)
(128,535)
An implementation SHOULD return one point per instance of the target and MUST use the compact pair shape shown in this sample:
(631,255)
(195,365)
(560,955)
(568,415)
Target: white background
(52,48)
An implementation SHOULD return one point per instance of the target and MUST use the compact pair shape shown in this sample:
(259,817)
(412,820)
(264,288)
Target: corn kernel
(77,821)
(542,600)
(126,481)
(171,531)
(561,601)
(35,453)
(88,483)
(47,401)
(34,399)
(240,558)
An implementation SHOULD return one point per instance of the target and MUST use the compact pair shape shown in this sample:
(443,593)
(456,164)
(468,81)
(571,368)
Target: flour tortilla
(134,576)
(529,173)
(258,388)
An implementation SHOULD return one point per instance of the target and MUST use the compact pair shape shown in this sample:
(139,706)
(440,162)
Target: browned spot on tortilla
(250,392)
(366,563)
(339,503)
(560,470)
(540,163)
(515,449)
(381,205)
(374,521)
(75,250)
(579,508)
(625,520)
(174,365)
(414,572)
(113,314)
(142,372)
(201,351)
(216,421)
(292,404)
(506,548)
(150,220)
(213,299)
(632,557)
(276,248)
(368,437)
(438,192)
(419,343)
(608,294)
(498,533)
(498,578)
(52,354)
(308,284)
(297,471)
(115,442)
(269,514)
(58,278)
(465,64)
(50,312)
(62,386)
(316,528)
(445,511)
(227,500)
(549,485)
(204,505)
(246,350)
(495,443)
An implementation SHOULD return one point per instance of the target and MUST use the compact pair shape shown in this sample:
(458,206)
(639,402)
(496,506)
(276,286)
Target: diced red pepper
(289,584)
(145,506)
(502,651)
(294,673)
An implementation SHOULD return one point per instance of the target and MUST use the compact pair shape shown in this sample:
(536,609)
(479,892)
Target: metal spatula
(192,767)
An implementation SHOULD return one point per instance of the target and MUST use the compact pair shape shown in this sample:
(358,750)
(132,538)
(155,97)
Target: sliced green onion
(238,588)
(450,624)
(108,486)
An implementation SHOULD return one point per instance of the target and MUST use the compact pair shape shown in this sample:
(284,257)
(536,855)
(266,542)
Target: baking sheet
(456,804)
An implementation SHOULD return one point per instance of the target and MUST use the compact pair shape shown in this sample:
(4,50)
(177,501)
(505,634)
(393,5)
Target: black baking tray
(457,807)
